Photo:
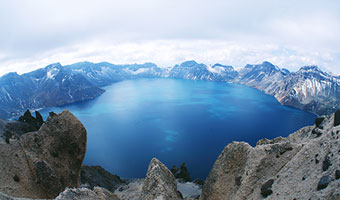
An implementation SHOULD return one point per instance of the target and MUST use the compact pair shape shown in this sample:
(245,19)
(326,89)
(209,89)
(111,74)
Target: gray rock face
(98,176)
(43,163)
(75,194)
(97,193)
(283,168)
(159,183)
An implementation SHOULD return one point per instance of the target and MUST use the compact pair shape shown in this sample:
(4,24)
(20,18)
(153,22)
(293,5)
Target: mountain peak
(310,68)
(10,74)
(54,65)
(188,63)
(267,63)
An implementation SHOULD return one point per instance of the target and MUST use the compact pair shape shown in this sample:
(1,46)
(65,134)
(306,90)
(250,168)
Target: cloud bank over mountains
(289,34)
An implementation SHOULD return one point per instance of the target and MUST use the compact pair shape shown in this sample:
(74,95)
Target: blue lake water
(177,121)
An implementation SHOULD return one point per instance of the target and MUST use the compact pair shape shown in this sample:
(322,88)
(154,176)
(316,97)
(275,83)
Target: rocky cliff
(41,164)
(308,89)
(305,165)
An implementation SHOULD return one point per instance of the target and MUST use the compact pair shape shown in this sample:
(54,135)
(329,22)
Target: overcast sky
(288,33)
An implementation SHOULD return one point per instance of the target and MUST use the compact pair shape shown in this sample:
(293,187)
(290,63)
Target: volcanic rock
(159,183)
(282,168)
(98,176)
(43,163)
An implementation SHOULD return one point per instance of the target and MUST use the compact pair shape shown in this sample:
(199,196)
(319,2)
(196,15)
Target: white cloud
(169,52)
(288,33)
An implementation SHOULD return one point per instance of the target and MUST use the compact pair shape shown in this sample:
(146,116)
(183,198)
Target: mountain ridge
(309,88)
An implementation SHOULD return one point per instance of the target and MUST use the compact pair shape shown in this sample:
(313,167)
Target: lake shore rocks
(301,166)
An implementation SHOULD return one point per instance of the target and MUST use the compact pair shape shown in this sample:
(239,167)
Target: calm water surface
(177,121)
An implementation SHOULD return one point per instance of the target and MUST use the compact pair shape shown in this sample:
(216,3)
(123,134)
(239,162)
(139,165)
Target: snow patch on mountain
(52,73)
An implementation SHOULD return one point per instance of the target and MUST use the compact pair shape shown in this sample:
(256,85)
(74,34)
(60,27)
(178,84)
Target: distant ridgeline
(308,89)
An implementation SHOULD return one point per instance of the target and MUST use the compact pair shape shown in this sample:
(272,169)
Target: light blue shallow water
(177,121)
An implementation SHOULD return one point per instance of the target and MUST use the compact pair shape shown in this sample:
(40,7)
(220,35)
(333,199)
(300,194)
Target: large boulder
(159,183)
(43,163)
(301,166)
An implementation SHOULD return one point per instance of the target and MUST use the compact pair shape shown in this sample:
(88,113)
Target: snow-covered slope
(104,73)
(309,88)
(49,86)
(195,71)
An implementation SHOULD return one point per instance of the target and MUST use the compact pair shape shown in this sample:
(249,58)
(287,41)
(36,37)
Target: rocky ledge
(305,165)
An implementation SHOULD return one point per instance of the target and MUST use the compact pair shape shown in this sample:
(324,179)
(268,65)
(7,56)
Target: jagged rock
(98,176)
(324,181)
(130,191)
(35,123)
(46,161)
(27,123)
(291,164)
(273,141)
(39,119)
(97,193)
(159,183)
(337,118)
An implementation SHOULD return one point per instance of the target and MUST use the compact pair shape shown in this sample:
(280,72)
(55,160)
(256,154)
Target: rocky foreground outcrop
(159,183)
(47,164)
(97,193)
(305,165)
(41,164)
(96,176)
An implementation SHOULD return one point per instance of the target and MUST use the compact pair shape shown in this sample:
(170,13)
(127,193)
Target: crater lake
(177,121)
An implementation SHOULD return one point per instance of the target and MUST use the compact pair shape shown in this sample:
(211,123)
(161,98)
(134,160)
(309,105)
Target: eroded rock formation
(41,164)
(159,183)
(302,166)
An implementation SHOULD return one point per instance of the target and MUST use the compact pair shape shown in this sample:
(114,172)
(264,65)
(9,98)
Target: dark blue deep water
(177,121)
